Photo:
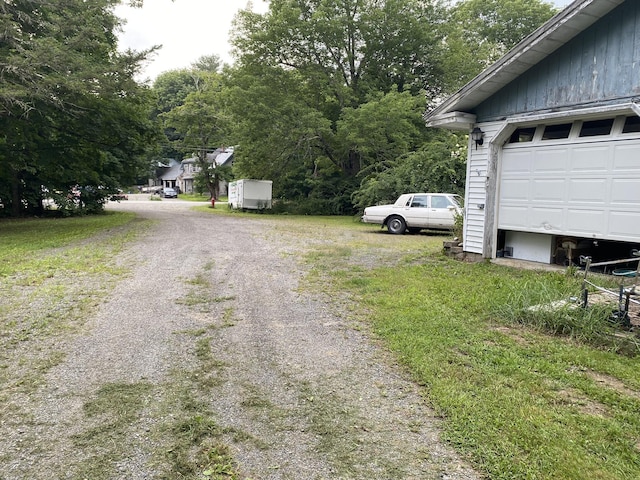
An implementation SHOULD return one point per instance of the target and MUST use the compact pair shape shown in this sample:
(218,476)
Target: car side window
(438,201)
(419,201)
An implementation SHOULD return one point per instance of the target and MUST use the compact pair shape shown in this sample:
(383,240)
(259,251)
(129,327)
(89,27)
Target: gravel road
(314,397)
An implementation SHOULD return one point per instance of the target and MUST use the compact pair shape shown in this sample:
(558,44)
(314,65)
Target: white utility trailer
(248,194)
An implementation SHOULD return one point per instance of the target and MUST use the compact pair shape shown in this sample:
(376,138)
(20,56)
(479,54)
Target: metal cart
(626,294)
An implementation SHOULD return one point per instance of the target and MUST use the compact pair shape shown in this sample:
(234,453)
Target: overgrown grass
(52,273)
(192,439)
(525,394)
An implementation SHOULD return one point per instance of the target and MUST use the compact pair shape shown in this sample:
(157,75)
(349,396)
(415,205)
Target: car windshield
(456,200)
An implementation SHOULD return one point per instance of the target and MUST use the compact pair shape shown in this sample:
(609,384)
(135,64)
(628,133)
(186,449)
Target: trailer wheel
(396,225)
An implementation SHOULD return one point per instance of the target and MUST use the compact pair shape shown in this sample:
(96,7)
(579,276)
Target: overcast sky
(186,29)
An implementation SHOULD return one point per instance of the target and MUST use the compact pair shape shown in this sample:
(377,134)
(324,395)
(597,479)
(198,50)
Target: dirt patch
(583,403)
(612,383)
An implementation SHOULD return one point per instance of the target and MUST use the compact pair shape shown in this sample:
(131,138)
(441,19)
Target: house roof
(556,32)
(172,173)
(224,156)
(221,156)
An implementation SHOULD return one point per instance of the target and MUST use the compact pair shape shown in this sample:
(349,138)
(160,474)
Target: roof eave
(453,121)
(556,32)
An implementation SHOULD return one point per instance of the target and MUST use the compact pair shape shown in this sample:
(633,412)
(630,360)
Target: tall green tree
(345,48)
(479,32)
(311,69)
(201,125)
(71,112)
(172,88)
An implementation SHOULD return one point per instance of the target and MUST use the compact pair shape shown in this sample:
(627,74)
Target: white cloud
(186,29)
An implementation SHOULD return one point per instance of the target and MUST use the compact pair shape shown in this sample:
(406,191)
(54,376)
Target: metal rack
(625,293)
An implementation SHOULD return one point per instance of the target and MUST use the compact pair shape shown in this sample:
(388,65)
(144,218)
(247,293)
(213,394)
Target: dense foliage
(325,98)
(74,124)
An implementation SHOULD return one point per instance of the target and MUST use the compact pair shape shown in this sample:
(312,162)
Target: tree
(346,48)
(71,113)
(479,32)
(172,89)
(201,125)
(437,166)
(207,63)
(384,128)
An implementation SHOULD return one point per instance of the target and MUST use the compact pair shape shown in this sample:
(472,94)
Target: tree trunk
(16,197)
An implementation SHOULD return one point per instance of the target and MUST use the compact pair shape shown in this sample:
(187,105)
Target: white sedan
(416,211)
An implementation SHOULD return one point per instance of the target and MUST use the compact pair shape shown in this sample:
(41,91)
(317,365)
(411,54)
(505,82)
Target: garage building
(553,167)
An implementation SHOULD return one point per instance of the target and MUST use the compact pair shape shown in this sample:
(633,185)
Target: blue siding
(600,65)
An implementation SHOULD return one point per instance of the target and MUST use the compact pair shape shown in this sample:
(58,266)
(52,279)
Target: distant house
(168,176)
(189,168)
(554,170)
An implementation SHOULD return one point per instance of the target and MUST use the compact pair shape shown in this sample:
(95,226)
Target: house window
(556,132)
(631,125)
(594,128)
(522,135)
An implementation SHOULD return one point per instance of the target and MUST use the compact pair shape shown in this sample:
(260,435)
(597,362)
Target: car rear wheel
(396,225)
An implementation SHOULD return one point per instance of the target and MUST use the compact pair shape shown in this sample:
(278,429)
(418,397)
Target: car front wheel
(396,225)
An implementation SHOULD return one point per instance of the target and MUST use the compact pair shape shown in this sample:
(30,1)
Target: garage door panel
(515,190)
(582,221)
(625,191)
(549,190)
(514,217)
(626,157)
(550,161)
(624,224)
(519,163)
(592,190)
(590,159)
(546,218)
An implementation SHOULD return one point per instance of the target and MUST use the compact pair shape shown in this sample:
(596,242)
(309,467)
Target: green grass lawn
(196,197)
(525,396)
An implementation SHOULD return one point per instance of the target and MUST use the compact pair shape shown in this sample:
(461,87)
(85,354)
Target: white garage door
(580,185)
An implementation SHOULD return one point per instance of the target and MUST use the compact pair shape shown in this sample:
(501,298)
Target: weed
(227,317)
(113,412)
(193,447)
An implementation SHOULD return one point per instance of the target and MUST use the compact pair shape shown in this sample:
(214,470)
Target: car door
(441,211)
(416,213)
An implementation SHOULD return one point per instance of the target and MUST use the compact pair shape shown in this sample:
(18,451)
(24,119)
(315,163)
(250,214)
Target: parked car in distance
(170,193)
(119,195)
(413,212)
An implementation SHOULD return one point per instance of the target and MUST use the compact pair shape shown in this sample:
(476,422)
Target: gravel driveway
(314,397)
